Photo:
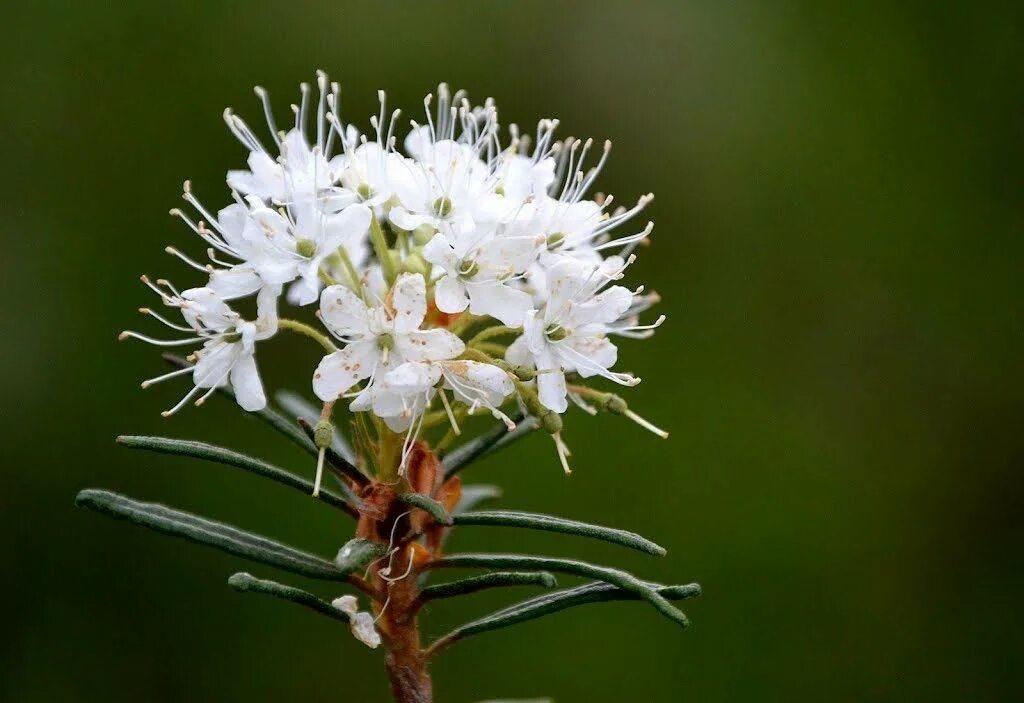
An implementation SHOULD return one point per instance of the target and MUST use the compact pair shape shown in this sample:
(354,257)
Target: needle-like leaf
(211,452)
(428,504)
(294,404)
(499,436)
(526,562)
(215,534)
(247,583)
(357,553)
(550,523)
(495,579)
(474,495)
(549,603)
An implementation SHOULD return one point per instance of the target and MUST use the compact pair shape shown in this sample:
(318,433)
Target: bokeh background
(838,244)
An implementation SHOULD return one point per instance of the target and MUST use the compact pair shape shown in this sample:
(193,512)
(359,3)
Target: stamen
(448,410)
(647,425)
(319,471)
(563,452)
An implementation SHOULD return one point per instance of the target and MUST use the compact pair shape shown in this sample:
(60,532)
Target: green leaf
(550,523)
(427,504)
(247,583)
(286,427)
(294,404)
(525,562)
(211,452)
(474,495)
(550,603)
(335,460)
(495,579)
(499,436)
(226,538)
(357,553)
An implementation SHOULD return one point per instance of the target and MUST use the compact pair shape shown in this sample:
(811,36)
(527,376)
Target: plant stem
(304,329)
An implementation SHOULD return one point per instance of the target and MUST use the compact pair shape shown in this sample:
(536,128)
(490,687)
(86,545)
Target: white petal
(503,302)
(450,294)
(346,604)
(605,307)
(475,382)
(235,282)
(598,354)
(403,219)
(245,381)
(518,352)
(341,370)
(551,384)
(343,311)
(363,629)
(409,300)
(214,364)
(441,252)
(429,345)
(350,224)
(412,377)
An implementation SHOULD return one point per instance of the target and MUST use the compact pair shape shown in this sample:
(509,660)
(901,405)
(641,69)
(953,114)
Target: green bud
(443,206)
(557,333)
(500,190)
(232,337)
(305,248)
(468,268)
(423,234)
(551,421)
(615,404)
(555,240)
(323,434)
(365,191)
(386,342)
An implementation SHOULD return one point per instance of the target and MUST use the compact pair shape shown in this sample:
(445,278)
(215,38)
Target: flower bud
(323,434)
(551,422)
(305,248)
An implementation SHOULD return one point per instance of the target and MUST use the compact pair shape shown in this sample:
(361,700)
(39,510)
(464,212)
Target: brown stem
(406,665)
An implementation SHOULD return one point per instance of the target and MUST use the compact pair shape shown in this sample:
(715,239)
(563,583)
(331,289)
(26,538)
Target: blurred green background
(838,245)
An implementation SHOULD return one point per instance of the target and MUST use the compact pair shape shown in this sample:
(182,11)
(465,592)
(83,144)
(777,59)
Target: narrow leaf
(357,553)
(499,436)
(247,583)
(226,538)
(474,495)
(549,603)
(495,579)
(335,460)
(294,404)
(615,577)
(550,523)
(211,452)
(427,504)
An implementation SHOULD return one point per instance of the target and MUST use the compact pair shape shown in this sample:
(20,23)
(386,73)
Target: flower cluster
(419,263)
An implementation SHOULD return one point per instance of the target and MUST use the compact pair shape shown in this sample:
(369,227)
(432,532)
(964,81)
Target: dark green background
(838,244)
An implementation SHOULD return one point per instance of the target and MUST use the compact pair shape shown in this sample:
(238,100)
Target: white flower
(478,272)
(569,333)
(377,338)
(473,383)
(227,354)
(296,246)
